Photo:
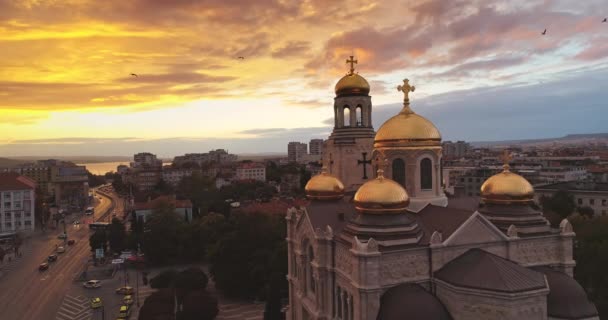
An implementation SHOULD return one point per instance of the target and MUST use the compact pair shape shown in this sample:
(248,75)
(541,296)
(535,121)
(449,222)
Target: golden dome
(506,188)
(324,186)
(352,84)
(381,196)
(407,127)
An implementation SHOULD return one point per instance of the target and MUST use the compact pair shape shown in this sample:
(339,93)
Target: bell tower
(348,150)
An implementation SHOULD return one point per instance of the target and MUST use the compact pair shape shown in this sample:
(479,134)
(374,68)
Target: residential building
(563,174)
(218,156)
(586,194)
(316,147)
(17,203)
(251,171)
(70,186)
(456,149)
(296,151)
(146,160)
(175,176)
(183,208)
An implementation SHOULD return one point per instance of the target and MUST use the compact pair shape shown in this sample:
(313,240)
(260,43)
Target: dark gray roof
(412,302)
(566,299)
(480,269)
(334,213)
(445,220)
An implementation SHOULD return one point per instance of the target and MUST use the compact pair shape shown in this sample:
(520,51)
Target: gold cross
(506,157)
(406,88)
(352,62)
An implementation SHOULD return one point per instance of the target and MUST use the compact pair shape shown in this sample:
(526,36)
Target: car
(96,303)
(62,236)
(52,258)
(127,300)
(71,242)
(92,284)
(43,266)
(124,312)
(60,249)
(76,222)
(126,290)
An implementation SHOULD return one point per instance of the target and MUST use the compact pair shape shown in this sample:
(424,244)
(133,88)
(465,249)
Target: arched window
(359,116)
(311,280)
(426,174)
(399,171)
(346,116)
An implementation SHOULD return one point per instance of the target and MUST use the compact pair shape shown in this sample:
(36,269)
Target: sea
(100,168)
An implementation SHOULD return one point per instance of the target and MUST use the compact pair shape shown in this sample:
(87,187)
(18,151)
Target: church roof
(479,269)
(445,220)
(411,301)
(567,299)
(324,213)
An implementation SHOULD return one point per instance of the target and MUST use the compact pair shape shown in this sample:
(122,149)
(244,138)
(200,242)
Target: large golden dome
(324,186)
(381,196)
(507,188)
(407,127)
(352,84)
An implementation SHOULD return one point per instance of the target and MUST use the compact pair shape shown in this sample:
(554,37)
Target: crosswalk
(74,308)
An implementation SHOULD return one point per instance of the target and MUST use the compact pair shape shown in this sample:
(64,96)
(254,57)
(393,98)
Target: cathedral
(379,240)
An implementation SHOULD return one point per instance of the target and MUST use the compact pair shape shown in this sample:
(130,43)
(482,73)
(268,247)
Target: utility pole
(137,286)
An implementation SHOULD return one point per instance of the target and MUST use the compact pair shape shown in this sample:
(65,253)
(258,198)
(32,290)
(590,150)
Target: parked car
(125,290)
(76,222)
(96,303)
(52,258)
(124,312)
(62,236)
(43,266)
(92,284)
(71,242)
(60,249)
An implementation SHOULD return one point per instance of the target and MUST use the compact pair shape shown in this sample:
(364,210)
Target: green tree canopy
(199,305)
(561,202)
(161,234)
(98,240)
(117,235)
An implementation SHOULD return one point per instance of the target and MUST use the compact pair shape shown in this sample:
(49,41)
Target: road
(26,293)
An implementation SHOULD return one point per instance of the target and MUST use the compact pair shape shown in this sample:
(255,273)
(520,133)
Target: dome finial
(406,88)
(506,157)
(352,63)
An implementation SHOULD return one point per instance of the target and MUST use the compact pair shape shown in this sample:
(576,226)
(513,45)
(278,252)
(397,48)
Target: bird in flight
(544,32)
(605,19)
(133,75)
(241,57)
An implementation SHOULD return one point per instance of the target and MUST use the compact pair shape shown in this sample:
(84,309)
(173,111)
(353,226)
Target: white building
(586,194)
(17,200)
(251,171)
(316,147)
(563,174)
(146,160)
(174,176)
(296,151)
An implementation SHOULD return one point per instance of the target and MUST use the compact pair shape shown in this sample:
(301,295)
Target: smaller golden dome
(381,196)
(352,84)
(324,186)
(507,188)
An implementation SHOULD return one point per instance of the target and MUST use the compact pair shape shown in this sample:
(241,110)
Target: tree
(95,180)
(562,203)
(586,211)
(161,234)
(2,254)
(199,305)
(98,240)
(117,235)
(190,280)
(160,305)
(164,280)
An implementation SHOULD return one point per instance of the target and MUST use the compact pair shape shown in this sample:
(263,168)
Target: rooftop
(13,181)
(575,186)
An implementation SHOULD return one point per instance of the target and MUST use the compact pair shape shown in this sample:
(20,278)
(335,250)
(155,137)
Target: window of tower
(426,174)
(399,171)
(359,116)
(346,116)
(311,280)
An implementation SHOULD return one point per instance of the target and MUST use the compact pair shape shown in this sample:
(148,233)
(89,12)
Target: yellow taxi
(96,303)
(124,312)
(127,300)
(125,290)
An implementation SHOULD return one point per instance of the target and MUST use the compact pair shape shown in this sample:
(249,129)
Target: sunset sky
(482,69)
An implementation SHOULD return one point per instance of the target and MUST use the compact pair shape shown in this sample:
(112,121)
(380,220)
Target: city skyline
(164,78)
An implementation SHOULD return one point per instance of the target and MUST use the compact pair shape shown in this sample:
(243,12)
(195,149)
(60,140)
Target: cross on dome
(406,88)
(352,61)
(506,157)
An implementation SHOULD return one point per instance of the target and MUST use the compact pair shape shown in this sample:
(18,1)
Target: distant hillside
(9,163)
(77,159)
(568,139)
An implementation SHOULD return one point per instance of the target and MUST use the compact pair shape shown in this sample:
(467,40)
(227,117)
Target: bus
(98,226)
(89,211)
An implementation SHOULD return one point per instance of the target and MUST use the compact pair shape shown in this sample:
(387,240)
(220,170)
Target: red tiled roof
(13,181)
(150,205)
(251,165)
